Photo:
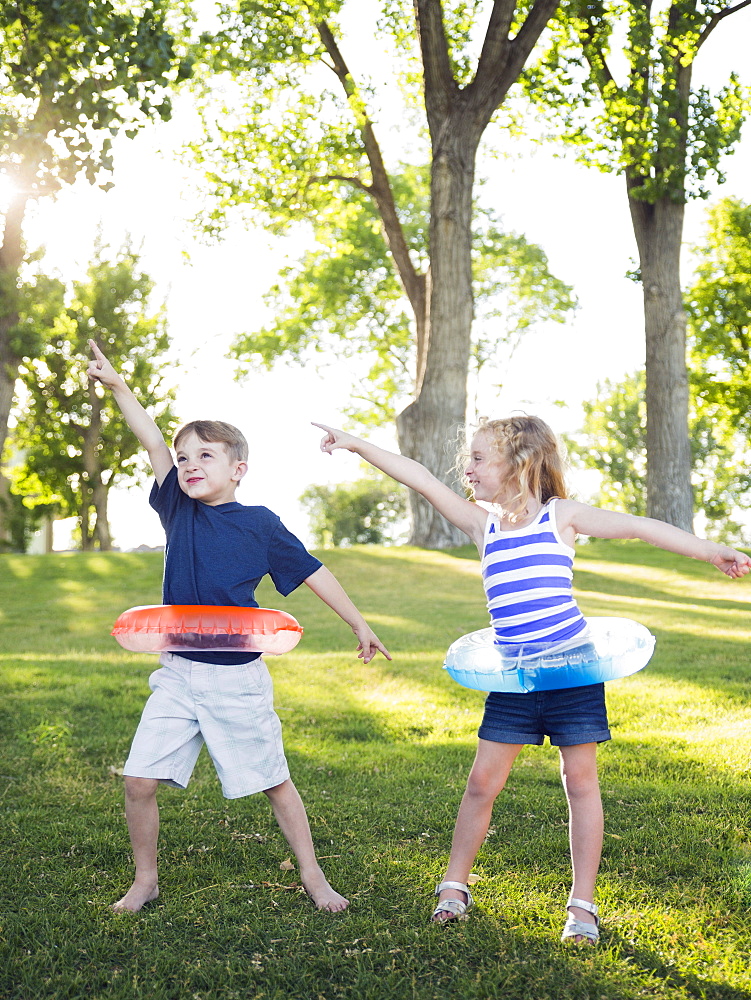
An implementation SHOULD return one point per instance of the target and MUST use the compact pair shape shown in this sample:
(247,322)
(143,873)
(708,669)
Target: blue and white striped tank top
(528,575)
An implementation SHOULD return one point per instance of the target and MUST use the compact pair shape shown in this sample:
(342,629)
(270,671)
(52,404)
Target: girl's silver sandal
(455,906)
(578,928)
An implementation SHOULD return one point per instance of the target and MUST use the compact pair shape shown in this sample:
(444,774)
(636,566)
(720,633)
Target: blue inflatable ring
(608,649)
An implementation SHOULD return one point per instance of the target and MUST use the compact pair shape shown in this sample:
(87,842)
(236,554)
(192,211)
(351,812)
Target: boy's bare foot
(136,897)
(319,890)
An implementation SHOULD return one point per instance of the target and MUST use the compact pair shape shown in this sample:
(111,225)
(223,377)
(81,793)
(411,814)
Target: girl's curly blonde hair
(534,455)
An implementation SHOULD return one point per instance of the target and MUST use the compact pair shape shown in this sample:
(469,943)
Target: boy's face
(206,472)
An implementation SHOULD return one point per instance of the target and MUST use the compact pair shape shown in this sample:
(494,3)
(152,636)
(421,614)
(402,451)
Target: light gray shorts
(230,708)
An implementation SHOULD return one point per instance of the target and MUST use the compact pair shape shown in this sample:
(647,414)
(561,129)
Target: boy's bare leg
(293,821)
(142,814)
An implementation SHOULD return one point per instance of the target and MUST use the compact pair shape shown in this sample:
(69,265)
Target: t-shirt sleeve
(289,561)
(165,498)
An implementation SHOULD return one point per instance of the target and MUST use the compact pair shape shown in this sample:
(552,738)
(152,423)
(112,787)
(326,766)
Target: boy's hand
(101,370)
(334,439)
(370,644)
(731,562)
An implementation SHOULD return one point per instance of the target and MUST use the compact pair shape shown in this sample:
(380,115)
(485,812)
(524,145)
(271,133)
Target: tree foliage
(344,298)
(718,304)
(619,77)
(613,442)
(74,442)
(719,313)
(365,512)
(73,74)
(310,125)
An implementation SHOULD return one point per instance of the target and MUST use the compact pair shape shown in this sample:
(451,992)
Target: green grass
(380,753)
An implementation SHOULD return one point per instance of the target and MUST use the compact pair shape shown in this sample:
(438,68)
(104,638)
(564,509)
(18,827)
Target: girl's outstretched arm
(467,516)
(580,518)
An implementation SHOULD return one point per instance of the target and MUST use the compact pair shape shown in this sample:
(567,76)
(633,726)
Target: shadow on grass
(691,984)
(594,583)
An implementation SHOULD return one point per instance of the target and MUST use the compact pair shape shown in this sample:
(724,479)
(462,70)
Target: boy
(217,552)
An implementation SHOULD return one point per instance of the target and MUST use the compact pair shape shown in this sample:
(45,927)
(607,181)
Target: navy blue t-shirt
(219,555)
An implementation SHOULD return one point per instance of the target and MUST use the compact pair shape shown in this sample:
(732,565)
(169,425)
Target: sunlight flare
(7,190)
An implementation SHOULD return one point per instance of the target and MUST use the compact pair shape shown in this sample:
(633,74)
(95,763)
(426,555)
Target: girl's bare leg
(142,815)
(490,770)
(293,821)
(582,787)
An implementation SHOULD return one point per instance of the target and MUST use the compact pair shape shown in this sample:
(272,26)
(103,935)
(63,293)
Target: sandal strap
(454,906)
(455,885)
(583,905)
(577,928)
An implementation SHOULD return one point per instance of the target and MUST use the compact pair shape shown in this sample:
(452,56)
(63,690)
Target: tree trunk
(102,528)
(95,490)
(428,429)
(457,116)
(48,529)
(11,256)
(659,232)
(443,302)
(85,520)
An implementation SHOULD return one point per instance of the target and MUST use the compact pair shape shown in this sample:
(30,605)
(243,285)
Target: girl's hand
(334,439)
(101,370)
(731,562)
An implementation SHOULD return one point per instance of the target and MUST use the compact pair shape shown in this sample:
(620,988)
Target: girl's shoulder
(562,515)
(564,509)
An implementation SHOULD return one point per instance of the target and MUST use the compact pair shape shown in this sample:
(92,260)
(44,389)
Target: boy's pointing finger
(97,353)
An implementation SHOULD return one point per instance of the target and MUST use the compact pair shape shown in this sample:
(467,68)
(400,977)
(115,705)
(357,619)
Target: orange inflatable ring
(179,628)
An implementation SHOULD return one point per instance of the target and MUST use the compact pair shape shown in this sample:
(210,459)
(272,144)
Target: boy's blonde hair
(534,455)
(216,432)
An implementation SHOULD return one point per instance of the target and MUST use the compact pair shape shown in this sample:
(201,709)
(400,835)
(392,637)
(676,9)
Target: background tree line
(409,269)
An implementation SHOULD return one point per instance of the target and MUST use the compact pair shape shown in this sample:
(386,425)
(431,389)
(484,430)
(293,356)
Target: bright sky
(579,217)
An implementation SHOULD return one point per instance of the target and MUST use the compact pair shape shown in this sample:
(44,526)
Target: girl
(526,542)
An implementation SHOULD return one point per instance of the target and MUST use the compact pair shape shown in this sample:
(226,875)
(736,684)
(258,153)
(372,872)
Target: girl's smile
(486,472)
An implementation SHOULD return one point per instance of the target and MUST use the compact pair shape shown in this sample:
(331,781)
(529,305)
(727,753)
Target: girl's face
(487,472)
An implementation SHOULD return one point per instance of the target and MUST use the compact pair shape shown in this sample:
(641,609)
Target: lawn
(380,753)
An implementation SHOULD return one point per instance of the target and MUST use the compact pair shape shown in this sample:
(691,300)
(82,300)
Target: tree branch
(380,189)
(496,37)
(440,87)
(502,58)
(599,68)
(526,38)
(354,182)
(715,20)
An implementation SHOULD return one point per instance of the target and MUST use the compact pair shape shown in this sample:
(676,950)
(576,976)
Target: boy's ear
(240,469)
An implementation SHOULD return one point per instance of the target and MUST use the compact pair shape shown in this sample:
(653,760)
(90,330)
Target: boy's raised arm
(137,418)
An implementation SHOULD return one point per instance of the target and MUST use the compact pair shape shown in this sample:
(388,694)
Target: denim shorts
(567,717)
